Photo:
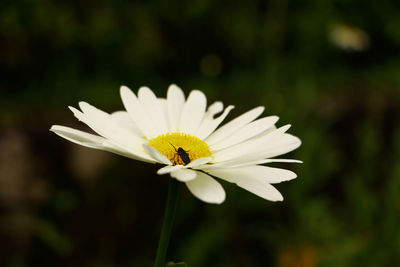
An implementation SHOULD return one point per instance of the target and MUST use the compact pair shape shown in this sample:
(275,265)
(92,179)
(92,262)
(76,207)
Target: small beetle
(182,153)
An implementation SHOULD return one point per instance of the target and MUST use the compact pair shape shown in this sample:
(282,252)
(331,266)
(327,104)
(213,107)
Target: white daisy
(182,135)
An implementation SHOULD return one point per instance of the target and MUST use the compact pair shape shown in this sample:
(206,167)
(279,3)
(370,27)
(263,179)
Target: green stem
(167,223)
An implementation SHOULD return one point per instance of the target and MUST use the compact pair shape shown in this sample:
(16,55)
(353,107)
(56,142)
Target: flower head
(182,134)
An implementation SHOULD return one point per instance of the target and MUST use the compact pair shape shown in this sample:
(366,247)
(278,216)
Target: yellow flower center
(176,146)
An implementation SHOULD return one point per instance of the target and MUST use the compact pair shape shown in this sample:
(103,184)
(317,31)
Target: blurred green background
(330,68)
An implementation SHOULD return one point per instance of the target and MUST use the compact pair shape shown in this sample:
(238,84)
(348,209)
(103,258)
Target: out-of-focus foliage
(330,68)
(179,264)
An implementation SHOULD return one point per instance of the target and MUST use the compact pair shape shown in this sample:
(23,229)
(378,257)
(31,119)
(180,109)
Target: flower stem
(170,208)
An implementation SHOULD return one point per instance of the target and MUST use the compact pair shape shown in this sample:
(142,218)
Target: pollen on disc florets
(193,146)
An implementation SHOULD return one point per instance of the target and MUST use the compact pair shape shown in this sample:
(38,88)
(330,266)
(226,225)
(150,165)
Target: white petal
(96,142)
(215,108)
(142,156)
(169,169)
(248,131)
(157,156)
(206,189)
(232,126)
(250,183)
(263,173)
(253,146)
(175,102)
(209,124)
(278,147)
(151,105)
(291,143)
(102,123)
(78,137)
(164,107)
(243,162)
(262,190)
(198,162)
(184,175)
(137,112)
(263,161)
(124,120)
(193,112)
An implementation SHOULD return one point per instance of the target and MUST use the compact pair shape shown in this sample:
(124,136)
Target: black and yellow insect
(182,154)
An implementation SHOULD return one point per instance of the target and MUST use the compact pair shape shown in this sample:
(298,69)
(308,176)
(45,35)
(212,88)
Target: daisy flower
(183,135)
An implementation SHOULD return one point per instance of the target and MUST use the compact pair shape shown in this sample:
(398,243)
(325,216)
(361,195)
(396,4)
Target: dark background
(330,68)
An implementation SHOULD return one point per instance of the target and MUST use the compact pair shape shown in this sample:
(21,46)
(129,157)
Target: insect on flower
(182,153)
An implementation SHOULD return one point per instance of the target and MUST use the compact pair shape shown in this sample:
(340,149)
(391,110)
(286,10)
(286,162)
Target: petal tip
(77,113)
(173,89)
(55,128)
(173,86)
(124,91)
(83,105)
(220,201)
(144,89)
(275,118)
(284,128)
(73,109)
(124,87)
(160,172)
(260,109)
(278,197)
(198,93)
(293,176)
